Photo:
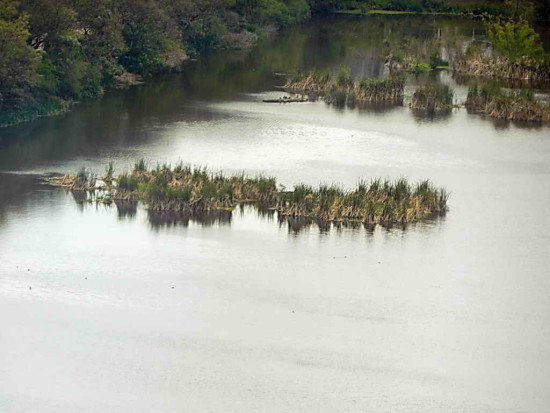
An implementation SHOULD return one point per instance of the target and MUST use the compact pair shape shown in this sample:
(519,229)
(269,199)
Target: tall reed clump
(433,99)
(342,88)
(188,189)
(315,81)
(500,68)
(381,90)
(109,173)
(491,100)
(374,202)
(194,189)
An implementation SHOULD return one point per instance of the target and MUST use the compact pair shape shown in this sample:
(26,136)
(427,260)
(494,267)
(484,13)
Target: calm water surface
(115,310)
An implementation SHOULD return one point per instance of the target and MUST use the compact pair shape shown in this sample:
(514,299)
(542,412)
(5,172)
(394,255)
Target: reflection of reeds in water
(126,210)
(297,225)
(168,219)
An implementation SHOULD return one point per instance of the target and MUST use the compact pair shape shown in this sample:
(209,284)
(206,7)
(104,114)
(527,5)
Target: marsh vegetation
(343,88)
(491,100)
(187,189)
(433,99)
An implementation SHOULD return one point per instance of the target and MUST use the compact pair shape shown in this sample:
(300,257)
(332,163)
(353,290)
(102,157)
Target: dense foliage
(57,51)
(75,49)
(414,6)
(515,39)
(18,68)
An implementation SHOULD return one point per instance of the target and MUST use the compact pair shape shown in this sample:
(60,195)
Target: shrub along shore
(195,190)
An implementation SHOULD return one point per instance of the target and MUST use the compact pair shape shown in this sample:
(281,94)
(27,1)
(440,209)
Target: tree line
(72,50)
(75,49)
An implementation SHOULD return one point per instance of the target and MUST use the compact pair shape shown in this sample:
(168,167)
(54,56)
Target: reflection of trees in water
(80,198)
(124,118)
(18,192)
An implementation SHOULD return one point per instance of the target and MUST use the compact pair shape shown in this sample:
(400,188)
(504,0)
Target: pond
(118,309)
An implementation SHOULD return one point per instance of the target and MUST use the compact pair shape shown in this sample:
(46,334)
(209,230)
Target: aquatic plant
(127,182)
(433,98)
(375,202)
(478,65)
(109,173)
(342,89)
(190,189)
(83,180)
(436,61)
(186,188)
(381,90)
(490,99)
(140,165)
(418,68)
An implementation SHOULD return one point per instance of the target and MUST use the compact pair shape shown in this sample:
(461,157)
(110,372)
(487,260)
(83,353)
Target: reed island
(343,89)
(184,188)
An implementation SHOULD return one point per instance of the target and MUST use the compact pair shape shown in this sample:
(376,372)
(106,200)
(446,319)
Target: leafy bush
(516,40)
(344,78)
(18,60)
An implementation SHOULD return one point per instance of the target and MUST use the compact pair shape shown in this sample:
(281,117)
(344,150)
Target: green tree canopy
(515,40)
(17,58)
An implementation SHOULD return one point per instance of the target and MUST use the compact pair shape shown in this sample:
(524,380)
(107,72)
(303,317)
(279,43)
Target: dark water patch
(21,192)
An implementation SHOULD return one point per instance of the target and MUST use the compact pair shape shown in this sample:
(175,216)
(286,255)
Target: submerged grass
(187,189)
